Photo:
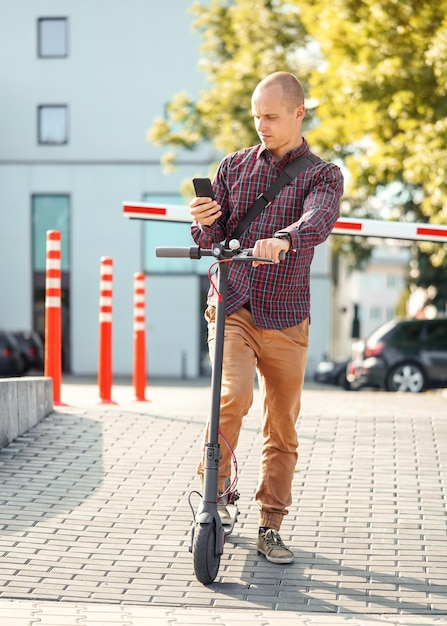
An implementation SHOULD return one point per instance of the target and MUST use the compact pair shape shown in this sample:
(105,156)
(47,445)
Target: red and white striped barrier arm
(393,230)
(163,212)
(411,231)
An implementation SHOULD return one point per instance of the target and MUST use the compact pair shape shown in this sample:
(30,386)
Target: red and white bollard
(105,332)
(139,338)
(53,324)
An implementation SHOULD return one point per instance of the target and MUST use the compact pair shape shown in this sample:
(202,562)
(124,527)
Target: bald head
(292,90)
(278,111)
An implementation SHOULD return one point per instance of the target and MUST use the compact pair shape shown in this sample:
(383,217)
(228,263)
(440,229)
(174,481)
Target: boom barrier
(411,231)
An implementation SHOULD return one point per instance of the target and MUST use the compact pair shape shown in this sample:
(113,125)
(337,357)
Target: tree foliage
(242,41)
(382,101)
(382,93)
(377,71)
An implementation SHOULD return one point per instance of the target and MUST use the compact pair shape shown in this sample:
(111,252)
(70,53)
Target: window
(407,333)
(165,233)
(393,281)
(437,333)
(52,37)
(50,212)
(390,313)
(52,120)
(375,282)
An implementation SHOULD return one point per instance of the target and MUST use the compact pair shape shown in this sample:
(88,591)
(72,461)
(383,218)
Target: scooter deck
(233,511)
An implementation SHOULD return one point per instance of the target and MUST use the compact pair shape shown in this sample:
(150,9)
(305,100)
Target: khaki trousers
(279,357)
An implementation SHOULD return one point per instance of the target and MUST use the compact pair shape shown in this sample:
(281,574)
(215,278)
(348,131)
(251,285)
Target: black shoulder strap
(290,172)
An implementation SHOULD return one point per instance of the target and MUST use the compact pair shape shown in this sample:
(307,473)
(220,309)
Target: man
(268,308)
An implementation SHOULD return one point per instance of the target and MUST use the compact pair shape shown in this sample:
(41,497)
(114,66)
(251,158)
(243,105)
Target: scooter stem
(212,449)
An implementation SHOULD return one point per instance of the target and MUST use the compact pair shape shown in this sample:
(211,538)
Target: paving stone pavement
(95,521)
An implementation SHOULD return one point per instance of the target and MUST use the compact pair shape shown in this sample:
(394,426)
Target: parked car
(12,362)
(332,372)
(32,348)
(402,355)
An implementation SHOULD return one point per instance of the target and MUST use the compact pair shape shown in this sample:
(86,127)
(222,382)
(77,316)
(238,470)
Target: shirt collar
(288,157)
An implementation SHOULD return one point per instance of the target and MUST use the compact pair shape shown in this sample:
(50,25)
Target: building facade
(367,297)
(81,84)
(379,287)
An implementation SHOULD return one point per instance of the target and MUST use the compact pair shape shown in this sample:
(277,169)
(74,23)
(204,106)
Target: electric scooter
(207,532)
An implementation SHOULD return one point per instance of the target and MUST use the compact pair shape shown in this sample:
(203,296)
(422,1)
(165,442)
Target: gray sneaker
(271,546)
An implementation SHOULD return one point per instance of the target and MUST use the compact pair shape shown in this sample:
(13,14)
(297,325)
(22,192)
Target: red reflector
(7,352)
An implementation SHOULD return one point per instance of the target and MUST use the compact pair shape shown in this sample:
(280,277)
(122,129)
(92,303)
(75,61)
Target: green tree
(382,97)
(242,41)
(382,92)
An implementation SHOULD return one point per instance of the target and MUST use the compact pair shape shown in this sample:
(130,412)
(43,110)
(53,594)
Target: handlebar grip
(191,252)
(282,254)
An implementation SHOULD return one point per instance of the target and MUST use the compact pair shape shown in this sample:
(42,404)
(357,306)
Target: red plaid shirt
(307,208)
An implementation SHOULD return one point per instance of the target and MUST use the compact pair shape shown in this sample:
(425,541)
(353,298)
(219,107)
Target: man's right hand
(204,210)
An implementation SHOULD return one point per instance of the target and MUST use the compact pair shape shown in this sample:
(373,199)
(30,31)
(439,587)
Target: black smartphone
(203,188)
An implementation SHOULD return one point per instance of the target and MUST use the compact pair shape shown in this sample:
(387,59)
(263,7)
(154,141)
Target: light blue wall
(126,60)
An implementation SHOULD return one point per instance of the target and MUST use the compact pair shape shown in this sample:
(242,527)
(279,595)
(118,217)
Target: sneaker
(224,514)
(271,546)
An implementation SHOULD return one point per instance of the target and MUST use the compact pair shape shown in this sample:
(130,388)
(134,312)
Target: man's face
(277,123)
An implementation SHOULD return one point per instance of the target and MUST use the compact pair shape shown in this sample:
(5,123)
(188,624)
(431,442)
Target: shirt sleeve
(321,210)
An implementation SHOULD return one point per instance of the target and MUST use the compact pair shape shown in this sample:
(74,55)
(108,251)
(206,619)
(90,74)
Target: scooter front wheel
(206,561)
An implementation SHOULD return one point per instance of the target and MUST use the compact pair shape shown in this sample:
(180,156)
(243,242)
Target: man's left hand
(270,249)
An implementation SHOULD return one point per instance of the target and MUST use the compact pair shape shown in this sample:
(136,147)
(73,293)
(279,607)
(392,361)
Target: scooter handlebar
(248,253)
(195,252)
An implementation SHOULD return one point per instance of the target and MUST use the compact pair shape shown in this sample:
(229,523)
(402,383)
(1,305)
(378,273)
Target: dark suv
(402,355)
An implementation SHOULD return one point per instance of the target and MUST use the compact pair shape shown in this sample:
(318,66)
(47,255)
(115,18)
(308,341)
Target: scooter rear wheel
(206,561)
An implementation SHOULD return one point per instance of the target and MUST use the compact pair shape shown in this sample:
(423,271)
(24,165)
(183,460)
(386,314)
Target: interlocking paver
(94,513)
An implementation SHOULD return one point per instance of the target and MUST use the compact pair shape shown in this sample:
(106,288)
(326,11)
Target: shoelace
(272,538)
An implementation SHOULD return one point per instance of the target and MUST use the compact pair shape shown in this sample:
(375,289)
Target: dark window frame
(38,273)
(66,245)
(52,143)
(39,37)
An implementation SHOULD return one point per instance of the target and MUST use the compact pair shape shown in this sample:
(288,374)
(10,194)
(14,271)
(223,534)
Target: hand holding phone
(203,188)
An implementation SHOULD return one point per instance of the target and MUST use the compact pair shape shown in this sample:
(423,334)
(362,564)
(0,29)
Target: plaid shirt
(307,208)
